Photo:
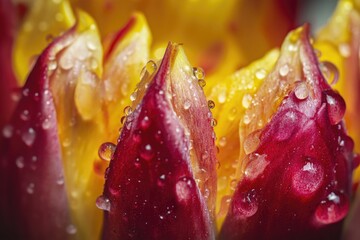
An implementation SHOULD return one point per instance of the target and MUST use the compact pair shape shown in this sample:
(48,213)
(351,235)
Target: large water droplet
(333,209)
(251,142)
(103,203)
(7,131)
(246,204)
(151,67)
(202,83)
(147,152)
(20,162)
(106,151)
(260,74)
(127,110)
(307,178)
(198,73)
(301,91)
(29,136)
(284,70)
(211,104)
(335,106)
(344,50)
(184,189)
(71,229)
(256,165)
(330,72)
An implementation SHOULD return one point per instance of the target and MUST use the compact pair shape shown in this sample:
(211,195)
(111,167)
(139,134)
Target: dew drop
(65,63)
(222,97)
(222,141)
(91,46)
(103,203)
(145,123)
(202,83)
(133,96)
(187,104)
(335,106)
(127,110)
(161,180)
(307,178)
(147,152)
(246,119)
(122,120)
(333,209)
(211,104)
(301,91)
(245,205)
(20,162)
(151,67)
(184,188)
(246,101)
(198,73)
(71,229)
(52,65)
(344,50)
(213,122)
(60,181)
(46,124)
(284,70)
(256,165)
(7,131)
(28,136)
(30,188)
(25,115)
(260,74)
(330,72)
(106,151)
(251,142)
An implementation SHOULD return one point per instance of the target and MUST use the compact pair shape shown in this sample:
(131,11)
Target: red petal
(151,191)
(297,181)
(36,205)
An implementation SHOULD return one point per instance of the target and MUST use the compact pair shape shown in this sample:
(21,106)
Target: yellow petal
(126,55)
(45,20)
(75,81)
(232,96)
(339,43)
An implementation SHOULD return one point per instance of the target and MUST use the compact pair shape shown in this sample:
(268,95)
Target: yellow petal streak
(126,55)
(45,20)
(339,43)
(75,73)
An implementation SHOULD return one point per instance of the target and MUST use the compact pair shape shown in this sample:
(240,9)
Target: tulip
(115,133)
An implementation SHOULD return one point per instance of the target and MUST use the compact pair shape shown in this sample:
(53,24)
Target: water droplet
(133,96)
(330,72)
(71,229)
(29,136)
(301,91)
(224,206)
(145,123)
(211,104)
(106,151)
(187,104)
(284,70)
(308,177)
(52,65)
(344,50)
(151,67)
(25,115)
(245,205)
(66,63)
(335,106)
(213,122)
(60,181)
(202,83)
(184,189)
(161,180)
(147,152)
(222,141)
(7,131)
(46,124)
(251,142)
(30,188)
(127,110)
(260,74)
(222,97)
(20,162)
(246,101)
(91,46)
(333,209)
(246,119)
(103,203)
(256,165)
(198,73)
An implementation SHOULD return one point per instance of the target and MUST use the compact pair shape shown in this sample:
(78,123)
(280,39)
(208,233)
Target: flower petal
(45,20)
(162,174)
(126,55)
(75,64)
(37,206)
(297,168)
